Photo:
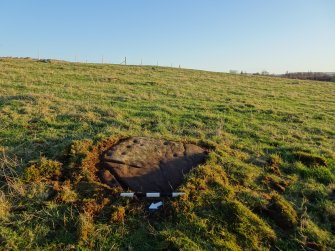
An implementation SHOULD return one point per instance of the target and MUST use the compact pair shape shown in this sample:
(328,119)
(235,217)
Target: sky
(216,35)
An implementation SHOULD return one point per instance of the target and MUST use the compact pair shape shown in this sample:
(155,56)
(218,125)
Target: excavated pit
(144,164)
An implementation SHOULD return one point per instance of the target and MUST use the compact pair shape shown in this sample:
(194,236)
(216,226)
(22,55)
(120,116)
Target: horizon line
(230,71)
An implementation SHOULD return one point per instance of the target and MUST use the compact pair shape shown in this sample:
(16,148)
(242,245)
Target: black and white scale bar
(151,195)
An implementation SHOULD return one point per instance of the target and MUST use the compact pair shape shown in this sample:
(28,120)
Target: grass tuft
(282,212)
(42,170)
(5,207)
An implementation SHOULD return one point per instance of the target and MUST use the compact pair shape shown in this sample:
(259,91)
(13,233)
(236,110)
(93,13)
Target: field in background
(268,182)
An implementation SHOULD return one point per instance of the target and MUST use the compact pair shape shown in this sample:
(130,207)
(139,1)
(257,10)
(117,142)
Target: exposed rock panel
(151,165)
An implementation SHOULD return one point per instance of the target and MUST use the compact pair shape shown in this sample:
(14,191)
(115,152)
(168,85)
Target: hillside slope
(268,182)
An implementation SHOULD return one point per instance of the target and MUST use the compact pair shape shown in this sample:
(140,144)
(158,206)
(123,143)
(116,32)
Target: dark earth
(144,164)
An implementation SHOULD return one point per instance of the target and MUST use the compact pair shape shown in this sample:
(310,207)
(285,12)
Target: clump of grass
(66,194)
(282,212)
(228,215)
(38,192)
(329,212)
(255,200)
(9,177)
(5,207)
(79,150)
(321,173)
(179,241)
(44,169)
(246,224)
(314,191)
(85,227)
(315,236)
(275,161)
(118,214)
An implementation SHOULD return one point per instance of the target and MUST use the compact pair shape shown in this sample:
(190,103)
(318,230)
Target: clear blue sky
(272,35)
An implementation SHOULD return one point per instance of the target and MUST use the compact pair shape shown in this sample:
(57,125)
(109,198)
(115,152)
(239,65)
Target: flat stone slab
(150,165)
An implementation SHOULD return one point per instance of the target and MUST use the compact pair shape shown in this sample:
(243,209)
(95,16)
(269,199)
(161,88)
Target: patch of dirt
(92,160)
(313,246)
(82,170)
(277,184)
(332,195)
(270,162)
(310,159)
(332,228)
(149,165)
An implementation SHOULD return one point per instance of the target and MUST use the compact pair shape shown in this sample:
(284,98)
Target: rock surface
(150,165)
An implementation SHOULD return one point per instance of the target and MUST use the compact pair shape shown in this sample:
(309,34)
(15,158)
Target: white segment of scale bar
(177,194)
(127,194)
(153,195)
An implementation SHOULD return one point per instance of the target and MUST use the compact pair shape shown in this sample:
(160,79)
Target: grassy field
(268,183)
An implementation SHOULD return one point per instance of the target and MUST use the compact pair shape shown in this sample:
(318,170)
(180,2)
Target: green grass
(268,182)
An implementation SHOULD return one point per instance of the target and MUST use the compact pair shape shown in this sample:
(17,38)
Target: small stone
(108,178)
(107,175)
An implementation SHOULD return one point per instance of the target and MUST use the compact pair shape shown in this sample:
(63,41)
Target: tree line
(319,76)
